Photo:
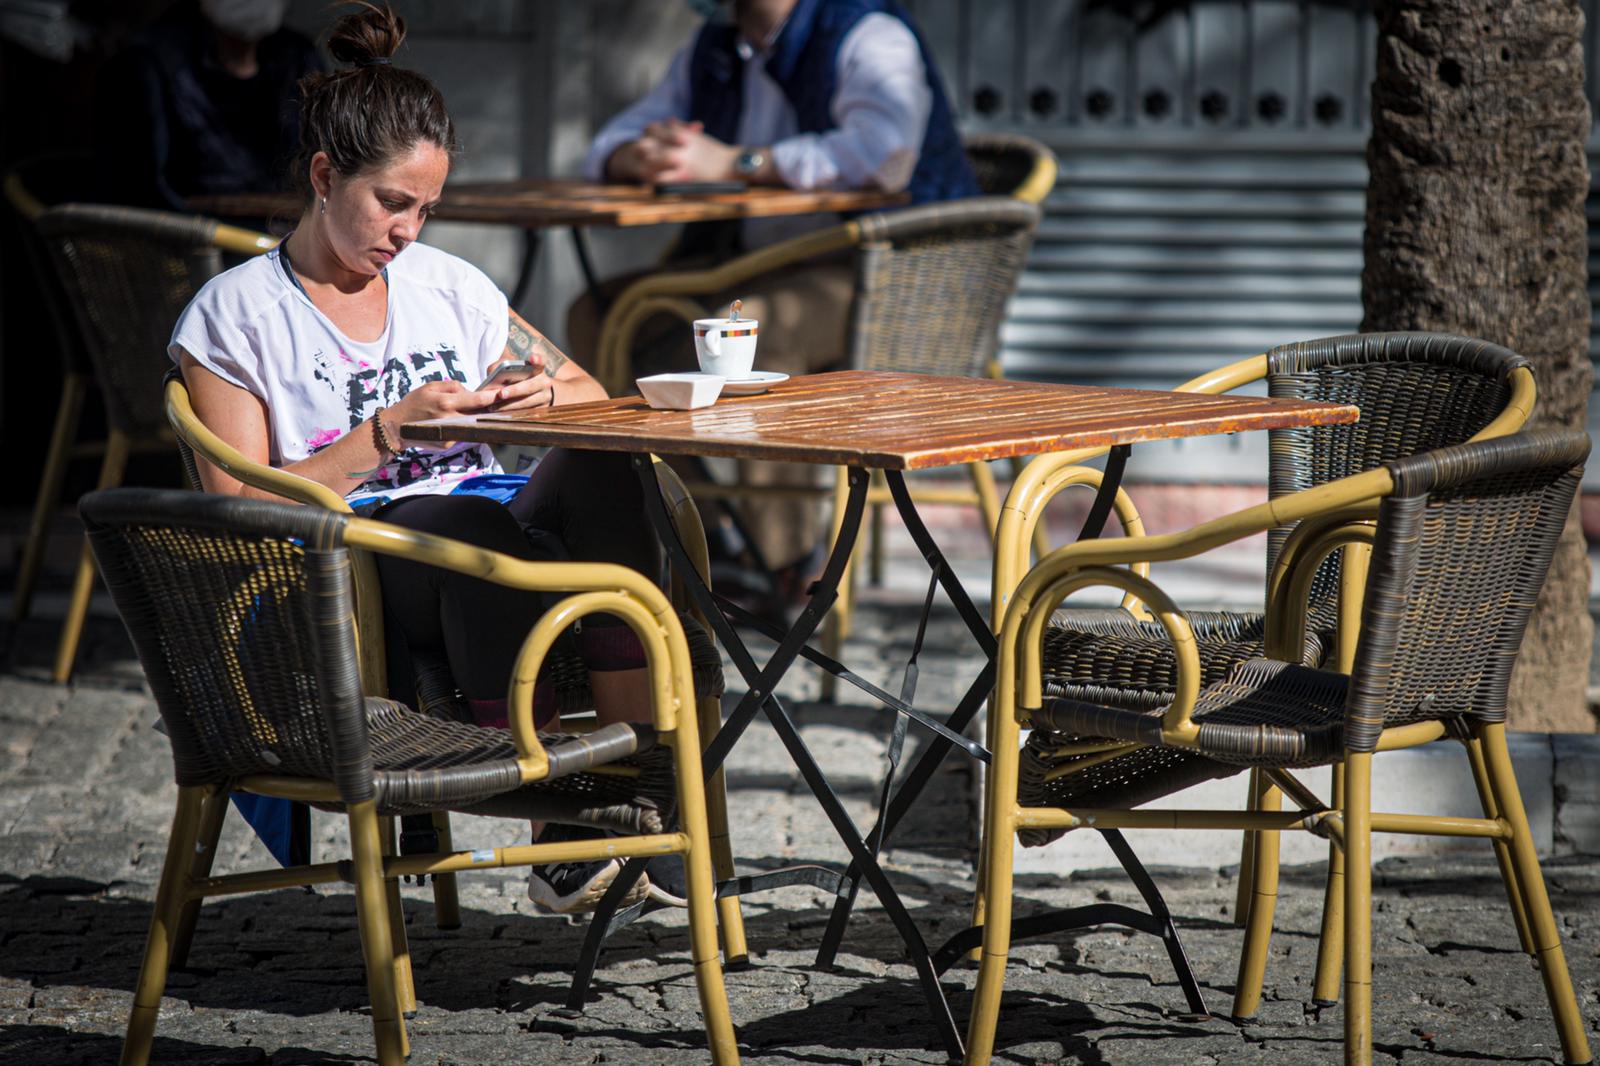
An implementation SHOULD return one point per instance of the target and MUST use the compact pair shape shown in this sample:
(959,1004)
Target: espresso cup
(726,347)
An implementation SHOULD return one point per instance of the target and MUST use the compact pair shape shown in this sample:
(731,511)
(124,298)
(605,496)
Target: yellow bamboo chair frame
(369,623)
(1021,524)
(593,588)
(1332,517)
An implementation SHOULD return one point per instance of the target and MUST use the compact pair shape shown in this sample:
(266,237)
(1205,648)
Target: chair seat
(1264,712)
(1106,656)
(422,763)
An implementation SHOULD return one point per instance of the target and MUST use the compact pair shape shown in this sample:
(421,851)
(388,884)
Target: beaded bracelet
(380,438)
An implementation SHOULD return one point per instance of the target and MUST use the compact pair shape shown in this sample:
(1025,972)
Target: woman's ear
(321,175)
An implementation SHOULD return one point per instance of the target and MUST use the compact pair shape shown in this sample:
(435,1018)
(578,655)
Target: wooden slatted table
(890,422)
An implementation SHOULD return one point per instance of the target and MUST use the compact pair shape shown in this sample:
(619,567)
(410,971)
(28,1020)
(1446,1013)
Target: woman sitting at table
(313,356)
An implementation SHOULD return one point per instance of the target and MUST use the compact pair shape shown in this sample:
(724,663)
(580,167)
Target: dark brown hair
(371,111)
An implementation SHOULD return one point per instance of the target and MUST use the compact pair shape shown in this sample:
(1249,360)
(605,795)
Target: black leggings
(578,505)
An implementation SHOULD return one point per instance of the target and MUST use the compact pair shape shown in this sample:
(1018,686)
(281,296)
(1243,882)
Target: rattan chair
(1416,391)
(124,275)
(436,689)
(243,616)
(1462,541)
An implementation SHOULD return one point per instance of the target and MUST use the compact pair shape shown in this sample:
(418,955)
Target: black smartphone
(698,188)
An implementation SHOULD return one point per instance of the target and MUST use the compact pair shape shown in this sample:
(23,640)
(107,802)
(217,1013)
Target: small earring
(324,205)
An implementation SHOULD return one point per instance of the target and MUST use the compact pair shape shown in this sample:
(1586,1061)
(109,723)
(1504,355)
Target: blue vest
(803,62)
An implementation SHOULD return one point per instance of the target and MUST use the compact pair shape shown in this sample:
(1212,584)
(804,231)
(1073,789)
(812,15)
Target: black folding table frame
(762,682)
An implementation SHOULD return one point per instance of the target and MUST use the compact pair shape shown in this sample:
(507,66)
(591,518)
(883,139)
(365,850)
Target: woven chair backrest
(1003,162)
(1463,547)
(241,612)
(127,274)
(932,284)
(1416,392)
(51,179)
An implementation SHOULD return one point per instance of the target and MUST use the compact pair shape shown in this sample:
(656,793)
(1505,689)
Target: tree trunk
(1476,226)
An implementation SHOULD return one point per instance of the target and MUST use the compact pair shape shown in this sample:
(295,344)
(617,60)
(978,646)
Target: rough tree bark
(1476,226)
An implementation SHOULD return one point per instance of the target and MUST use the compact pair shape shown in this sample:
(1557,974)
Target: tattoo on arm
(522,341)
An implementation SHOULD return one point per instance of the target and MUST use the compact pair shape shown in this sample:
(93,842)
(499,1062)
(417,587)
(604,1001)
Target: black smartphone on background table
(698,188)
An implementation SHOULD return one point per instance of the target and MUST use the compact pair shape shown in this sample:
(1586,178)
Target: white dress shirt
(880,110)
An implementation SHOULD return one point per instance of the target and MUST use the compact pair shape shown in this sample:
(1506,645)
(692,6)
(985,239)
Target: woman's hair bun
(370,32)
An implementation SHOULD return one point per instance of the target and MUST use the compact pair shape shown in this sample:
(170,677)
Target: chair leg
(404,987)
(1502,850)
(73,389)
(1541,921)
(372,916)
(730,917)
(876,545)
(446,897)
(1263,903)
(111,471)
(1247,855)
(988,495)
(999,836)
(697,863)
(212,814)
(1358,908)
(175,876)
(1330,946)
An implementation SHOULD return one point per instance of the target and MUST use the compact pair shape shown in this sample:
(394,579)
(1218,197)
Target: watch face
(748,162)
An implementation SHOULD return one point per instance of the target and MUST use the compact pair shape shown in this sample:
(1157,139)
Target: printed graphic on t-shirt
(366,388)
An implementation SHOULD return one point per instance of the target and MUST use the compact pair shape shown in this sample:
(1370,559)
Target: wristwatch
(748,161)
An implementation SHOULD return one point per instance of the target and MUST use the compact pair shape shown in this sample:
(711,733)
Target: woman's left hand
(537,390)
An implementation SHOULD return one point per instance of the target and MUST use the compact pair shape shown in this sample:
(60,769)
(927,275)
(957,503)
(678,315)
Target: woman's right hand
(436,399)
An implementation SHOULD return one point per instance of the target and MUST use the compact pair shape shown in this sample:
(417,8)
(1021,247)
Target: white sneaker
(576,887)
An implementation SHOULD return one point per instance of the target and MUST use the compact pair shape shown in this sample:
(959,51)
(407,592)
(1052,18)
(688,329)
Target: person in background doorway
(205,101)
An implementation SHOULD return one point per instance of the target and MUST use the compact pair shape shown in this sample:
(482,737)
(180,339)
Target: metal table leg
(760,682)
(1158,922)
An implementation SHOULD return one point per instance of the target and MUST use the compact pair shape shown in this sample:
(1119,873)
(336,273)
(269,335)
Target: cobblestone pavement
(85,795)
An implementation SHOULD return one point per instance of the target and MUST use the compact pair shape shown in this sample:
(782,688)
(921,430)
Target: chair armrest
(595,587)
(1046,475)
(1022,638)
(1357,490)
(242,241)
(225,457)
(1289,585)
(1023,510)
(669,291)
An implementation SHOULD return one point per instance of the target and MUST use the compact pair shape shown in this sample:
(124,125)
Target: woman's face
(373,215)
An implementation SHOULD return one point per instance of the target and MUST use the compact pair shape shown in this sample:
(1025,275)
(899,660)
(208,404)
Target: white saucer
(758,382)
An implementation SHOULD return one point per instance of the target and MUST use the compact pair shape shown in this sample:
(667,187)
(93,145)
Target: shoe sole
(588,898)
(666,898)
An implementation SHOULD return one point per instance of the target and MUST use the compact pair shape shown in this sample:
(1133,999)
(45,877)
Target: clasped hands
(672,151)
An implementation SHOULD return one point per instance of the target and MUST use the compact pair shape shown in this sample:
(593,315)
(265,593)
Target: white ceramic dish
(759,381)
(680,392)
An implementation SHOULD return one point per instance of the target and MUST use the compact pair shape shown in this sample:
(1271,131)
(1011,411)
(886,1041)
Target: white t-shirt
(254,327)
